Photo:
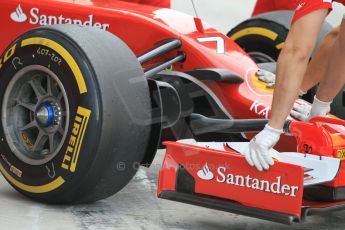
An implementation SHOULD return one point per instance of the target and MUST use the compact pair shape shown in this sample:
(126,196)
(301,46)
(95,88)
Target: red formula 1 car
(87,98)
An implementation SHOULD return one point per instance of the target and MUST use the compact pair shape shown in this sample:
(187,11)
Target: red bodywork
(159,3)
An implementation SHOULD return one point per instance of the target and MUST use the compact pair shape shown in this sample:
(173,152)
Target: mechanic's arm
(318,65)
(292,64)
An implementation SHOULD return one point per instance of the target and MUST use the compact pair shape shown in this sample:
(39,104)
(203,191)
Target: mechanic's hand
(266,76)
(304,111)
(260,146)
(301,110)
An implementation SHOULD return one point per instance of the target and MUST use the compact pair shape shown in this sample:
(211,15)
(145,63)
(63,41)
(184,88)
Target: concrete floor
(136,207)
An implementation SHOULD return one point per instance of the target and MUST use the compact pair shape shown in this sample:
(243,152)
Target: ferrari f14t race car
(90,89)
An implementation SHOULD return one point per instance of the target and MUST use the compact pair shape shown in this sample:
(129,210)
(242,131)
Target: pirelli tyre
(75,114)
(260,38)
(263,36)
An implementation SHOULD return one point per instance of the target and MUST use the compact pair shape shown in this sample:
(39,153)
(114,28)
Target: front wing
(220,178)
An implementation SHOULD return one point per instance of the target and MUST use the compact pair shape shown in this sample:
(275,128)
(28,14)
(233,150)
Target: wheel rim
(35,115)
(259,57)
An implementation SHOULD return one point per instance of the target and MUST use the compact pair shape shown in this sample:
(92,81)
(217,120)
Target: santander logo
(36,17)
(19,15)
(205,173)
(224,176)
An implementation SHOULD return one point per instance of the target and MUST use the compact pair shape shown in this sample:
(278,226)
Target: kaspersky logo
(19,15)
(224,176)
(35,17)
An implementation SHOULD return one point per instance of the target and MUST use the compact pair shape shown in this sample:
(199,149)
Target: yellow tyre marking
(255,31)
(33,189)
(86,115)
(8,54)
(75,142)
(64,54)
(280,45)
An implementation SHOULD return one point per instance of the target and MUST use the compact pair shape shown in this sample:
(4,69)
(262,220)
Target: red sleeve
(263,6)
(340,1)
(286,4)
(305,7)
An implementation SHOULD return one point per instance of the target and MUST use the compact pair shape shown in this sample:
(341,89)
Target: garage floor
(136,207)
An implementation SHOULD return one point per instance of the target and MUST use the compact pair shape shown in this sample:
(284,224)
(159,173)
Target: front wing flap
(223,180)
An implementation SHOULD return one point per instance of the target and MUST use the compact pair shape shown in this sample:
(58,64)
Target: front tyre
(75,117)
(262,39)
